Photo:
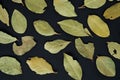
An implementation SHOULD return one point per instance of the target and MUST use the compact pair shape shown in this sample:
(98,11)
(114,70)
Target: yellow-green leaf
(18,1)
(112,12)
(72,67)
(88,32)
(98,26)
(106,66)
(73,27)
(94,4)
(27,44)
(19,22)
(36,6)
(43,28)
(56,46)
(110,0)
(4,16)
(114,49)
(64,8)
(6,38)
(86,50)
(39,65)
(10,66)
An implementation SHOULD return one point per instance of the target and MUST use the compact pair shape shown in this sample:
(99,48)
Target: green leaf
(56,46)
(10,66)
(114,49)
(64,8)
(72,67)
(106,66)
(94,4)
(88,32)
(73,27)
(6,39)
(43,28)
(18,1)
(110,0)
(27,44)
(19,22)
(4,16)
(86,50)
(112,12)
(36,6)
(98,26)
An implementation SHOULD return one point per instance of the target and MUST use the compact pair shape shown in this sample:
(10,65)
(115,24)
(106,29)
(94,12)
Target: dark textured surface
(89,68)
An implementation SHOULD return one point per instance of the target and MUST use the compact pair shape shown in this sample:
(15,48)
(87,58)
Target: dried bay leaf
(56,46)
(19,22)
(112,12)
(73,27)
(64,8)
(86,50)
(98,26)
(6,38)
(43,28)
(94,4)
(106,66)
(40,66)
(110,0)
(18,1)
(4,16)
(36,6)
(10,66)
(72,67)
(88,32)
(27,44)
(114,49)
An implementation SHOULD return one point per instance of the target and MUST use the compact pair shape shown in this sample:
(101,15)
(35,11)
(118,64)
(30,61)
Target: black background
(90,71)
